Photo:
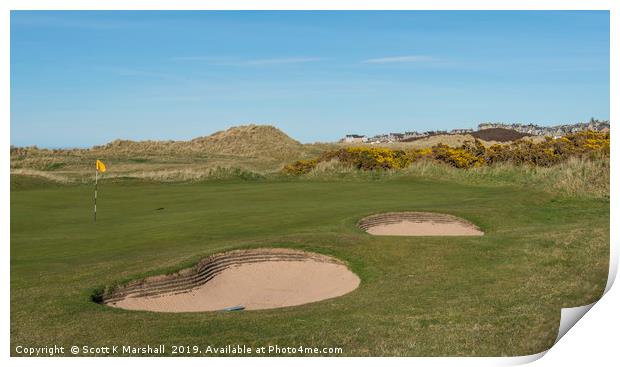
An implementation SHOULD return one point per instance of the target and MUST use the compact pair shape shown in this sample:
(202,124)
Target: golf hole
(242,279)
(418,224)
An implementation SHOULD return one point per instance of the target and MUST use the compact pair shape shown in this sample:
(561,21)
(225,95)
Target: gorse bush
(300,167)
(551,151)
(462,157)
(585,144)
(370,158)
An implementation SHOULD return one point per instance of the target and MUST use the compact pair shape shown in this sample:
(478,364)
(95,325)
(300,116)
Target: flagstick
(96,177)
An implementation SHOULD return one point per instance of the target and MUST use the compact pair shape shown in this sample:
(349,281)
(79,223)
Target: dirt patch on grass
(254,279)
(418,224)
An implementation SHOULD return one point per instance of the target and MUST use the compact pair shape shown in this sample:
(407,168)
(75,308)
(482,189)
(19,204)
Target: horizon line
(68,147)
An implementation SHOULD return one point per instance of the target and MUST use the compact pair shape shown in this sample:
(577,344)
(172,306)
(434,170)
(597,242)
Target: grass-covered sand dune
(258,148)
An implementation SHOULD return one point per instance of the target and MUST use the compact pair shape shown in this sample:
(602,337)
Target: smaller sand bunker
(255,279)
(418,224)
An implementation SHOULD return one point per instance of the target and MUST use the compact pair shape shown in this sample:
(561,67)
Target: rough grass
(576,177)
(40,175)
(499,294)
(192,174)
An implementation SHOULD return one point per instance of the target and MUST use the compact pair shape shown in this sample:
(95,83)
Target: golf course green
(499,294)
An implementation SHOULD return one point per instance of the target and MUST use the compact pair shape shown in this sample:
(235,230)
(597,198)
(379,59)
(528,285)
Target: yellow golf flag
(100,166)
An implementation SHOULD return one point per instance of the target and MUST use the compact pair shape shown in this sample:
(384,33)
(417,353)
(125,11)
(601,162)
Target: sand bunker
(418,224)
(255,279)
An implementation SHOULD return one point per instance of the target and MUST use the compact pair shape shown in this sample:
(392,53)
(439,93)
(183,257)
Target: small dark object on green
(233,308)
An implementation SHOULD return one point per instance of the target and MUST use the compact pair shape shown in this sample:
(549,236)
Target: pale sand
(269,284)
(427,228)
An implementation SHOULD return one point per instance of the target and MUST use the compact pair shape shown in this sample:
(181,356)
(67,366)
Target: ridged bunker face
(418,224)
(242,279)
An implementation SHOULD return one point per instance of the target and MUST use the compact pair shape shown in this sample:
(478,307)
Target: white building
(354,138)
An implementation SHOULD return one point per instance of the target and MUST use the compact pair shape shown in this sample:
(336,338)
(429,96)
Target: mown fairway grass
(499,294)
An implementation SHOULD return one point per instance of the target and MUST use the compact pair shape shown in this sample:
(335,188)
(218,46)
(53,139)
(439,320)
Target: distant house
(396,136)
(462,131)
(412,135)
(354,138)
(486,125)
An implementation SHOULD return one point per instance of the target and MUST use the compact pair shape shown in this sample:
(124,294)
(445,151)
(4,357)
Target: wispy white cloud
(399,59)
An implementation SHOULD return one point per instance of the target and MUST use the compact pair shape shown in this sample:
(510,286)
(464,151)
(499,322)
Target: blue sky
(85,78)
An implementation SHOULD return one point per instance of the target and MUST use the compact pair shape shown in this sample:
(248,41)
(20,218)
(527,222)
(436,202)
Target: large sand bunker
(255,279)
(418,224)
